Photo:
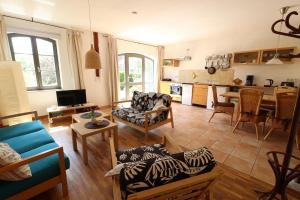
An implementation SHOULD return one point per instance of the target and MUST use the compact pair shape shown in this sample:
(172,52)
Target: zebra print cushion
(146,174)
(142,153)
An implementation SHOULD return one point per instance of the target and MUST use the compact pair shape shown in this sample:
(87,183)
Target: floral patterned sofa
(147,111)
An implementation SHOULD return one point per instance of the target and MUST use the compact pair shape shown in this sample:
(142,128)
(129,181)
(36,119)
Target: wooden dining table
(236,95)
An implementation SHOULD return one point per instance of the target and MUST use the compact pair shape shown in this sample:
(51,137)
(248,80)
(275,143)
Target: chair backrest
(250,100)
(285,105)
(281,89)
(215,94)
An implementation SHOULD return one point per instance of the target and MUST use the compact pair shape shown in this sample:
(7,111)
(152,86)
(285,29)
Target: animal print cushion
(9,156)
(142,153)
(146,174)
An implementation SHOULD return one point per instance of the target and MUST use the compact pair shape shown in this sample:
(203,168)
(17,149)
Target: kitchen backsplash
(224,77)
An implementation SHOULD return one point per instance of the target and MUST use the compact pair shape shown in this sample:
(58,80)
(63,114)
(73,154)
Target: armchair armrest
(20,114)
(157,111)
(58,150)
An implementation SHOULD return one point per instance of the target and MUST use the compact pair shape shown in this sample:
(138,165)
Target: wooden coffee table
(78,130)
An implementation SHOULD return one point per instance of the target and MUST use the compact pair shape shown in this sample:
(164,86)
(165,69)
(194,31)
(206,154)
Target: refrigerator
(187,92)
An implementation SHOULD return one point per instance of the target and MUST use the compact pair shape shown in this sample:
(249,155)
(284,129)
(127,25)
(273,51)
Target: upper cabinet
(171,62)
(262,56)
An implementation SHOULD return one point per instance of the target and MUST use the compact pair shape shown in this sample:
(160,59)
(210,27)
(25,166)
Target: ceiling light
(92,58)
(46,2)
(187,57)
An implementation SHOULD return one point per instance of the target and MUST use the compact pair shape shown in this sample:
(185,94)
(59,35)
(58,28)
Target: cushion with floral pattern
(146,174)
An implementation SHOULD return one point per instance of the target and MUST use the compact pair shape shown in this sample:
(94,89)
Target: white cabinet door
(187,92)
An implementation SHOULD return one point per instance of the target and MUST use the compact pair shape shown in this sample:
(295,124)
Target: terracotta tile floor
(240,151)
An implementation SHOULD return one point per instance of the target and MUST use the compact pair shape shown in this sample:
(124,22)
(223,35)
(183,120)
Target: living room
(106,85)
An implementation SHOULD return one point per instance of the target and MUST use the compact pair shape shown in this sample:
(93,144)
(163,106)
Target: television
(70,97)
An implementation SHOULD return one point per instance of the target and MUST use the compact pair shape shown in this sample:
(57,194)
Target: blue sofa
(46,160)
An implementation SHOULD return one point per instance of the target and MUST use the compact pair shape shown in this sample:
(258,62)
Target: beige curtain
(161,55)
(4,47)
(75,56)
(113,68)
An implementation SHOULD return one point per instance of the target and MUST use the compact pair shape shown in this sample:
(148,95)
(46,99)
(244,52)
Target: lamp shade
(275,61)
(92,59)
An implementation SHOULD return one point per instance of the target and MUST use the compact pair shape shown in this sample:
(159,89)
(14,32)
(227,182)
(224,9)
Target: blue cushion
(29,141)
(42,170)
(20,129)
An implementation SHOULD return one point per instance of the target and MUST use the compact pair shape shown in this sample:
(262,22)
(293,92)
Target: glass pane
(48,70)
(28,69)
(133,88)
(22,45)
(121,63)
(149,70)
(122,93)
(44,47)
(135,69)
(149,87)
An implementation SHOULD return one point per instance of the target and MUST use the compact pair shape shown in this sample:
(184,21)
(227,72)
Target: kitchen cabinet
(165,87)
(200,94)
(171,62)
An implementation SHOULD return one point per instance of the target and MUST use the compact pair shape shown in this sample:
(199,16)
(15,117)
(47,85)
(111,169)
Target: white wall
(40,100)
(97,88)
(232,42)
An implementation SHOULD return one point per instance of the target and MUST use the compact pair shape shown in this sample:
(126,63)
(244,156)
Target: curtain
(4,47)
(161,55)
(75,56)
(114,82)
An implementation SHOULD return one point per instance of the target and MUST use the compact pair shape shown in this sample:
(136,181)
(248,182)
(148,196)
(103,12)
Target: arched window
(39,60)
(136,72)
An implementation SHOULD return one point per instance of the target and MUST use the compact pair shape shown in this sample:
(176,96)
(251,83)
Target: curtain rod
(43,23)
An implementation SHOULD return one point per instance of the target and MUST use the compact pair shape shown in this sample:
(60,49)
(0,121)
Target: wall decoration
(218,61)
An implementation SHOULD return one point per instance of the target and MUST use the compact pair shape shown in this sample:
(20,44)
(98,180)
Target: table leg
(115,135)
(74,140)
(84,150)
(237,112)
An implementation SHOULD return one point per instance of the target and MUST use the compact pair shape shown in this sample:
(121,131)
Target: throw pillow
(9,156)
(159,105)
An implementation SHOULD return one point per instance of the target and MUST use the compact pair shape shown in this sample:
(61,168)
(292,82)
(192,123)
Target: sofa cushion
(29,141)
(9,156)
(146,174)
(20,129)
(137,117)
(139,101)
(42,170)
(142,153)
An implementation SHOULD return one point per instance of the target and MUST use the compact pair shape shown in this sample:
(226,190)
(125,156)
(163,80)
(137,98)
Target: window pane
(22,45)
(28,69)
(122,94)
(133,88)
(48,70)
(135,69)
(44,47)
(149,70)
(121,63)
(149,87)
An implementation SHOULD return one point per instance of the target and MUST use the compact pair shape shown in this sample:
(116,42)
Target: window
(136,72)
(38,57)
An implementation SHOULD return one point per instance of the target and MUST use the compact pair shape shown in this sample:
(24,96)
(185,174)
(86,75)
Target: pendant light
(187,57)
(275,60)
(92,58)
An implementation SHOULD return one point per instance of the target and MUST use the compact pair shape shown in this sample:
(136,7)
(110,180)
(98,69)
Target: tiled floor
(240,151)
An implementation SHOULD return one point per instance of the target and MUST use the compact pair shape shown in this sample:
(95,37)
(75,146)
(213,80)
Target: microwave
(176,89)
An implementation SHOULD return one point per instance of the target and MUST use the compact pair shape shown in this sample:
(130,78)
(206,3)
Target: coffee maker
(249,80)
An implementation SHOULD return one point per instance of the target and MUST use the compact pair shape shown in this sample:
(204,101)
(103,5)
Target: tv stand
(60,112)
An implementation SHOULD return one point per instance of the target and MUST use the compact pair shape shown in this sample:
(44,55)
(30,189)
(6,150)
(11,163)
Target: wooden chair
(221,107)
(249,107)
(285,105)
(192,188)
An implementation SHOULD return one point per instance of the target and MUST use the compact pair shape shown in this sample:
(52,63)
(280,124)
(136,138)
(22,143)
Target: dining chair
(249,108)
(285,105)
(281,89)
(221,107)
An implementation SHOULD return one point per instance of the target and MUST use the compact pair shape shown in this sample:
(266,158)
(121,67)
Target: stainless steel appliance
(176,89)
(288,84)
(268,82)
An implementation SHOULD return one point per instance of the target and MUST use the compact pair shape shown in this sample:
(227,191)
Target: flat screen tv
(70,97)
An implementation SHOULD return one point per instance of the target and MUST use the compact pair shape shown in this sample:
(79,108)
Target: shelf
(247,57)
(268,54)
(171,62)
